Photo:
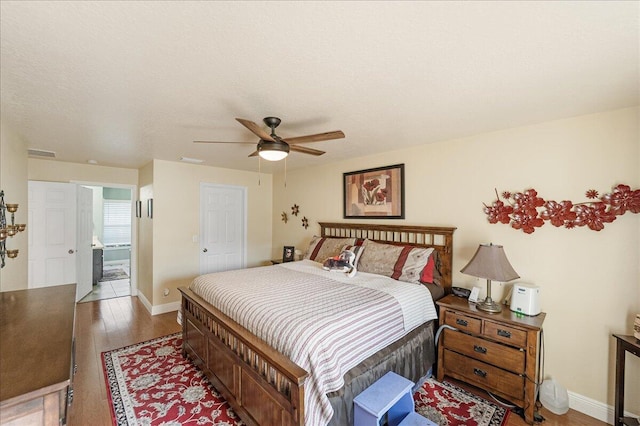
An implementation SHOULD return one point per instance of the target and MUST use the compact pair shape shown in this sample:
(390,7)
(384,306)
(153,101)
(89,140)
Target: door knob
(71,251)
(204,250)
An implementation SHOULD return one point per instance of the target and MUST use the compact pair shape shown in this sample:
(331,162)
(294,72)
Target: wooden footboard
(261,385)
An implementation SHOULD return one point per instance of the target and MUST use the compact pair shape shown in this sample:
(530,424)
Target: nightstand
(496,352)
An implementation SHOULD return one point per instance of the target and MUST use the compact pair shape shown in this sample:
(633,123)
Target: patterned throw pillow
(321,248)
(403,263)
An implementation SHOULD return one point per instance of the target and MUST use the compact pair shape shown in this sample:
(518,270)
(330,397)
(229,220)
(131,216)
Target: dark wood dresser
(496,352)
(36,355)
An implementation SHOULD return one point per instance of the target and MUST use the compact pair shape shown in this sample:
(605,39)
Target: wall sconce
(8,230)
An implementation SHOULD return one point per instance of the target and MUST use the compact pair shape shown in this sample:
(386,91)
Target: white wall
(590,281)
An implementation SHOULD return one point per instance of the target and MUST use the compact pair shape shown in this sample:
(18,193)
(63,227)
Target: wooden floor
(110,324)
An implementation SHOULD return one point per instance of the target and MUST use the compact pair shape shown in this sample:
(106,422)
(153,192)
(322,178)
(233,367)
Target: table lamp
(490,263)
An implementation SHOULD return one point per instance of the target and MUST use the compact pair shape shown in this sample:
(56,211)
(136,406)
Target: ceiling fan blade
(255,129)
(252,143)
(305,150)
(337,134)
(253,154)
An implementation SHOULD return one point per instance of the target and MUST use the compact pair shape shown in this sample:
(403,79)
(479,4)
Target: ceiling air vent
(41,153)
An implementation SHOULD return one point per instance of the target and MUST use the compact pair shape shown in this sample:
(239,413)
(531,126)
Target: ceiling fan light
(273,155)
(272,151)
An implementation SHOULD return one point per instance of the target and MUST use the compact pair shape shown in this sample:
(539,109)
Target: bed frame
(263,386)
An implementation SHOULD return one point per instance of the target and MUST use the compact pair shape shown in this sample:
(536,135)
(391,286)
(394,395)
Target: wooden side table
(624,344)
(496,352)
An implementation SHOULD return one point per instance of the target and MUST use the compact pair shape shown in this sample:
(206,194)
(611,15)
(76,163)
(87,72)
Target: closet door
(222,227)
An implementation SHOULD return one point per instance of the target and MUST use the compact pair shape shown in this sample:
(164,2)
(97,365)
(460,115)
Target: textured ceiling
(126,82)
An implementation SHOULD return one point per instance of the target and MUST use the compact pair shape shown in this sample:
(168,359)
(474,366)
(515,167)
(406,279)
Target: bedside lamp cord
(443,326)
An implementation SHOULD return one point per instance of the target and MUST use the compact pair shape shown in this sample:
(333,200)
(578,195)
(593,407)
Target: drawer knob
(504,333)
(479,372)
(462,322)
(479,349)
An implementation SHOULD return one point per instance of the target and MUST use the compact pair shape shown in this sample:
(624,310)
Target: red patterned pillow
(426,276)
(321,248)
(403,263)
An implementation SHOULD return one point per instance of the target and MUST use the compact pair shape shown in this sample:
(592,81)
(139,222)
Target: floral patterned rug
(150,383)
(447,405)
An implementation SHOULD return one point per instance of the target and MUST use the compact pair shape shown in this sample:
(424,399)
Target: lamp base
(488,305)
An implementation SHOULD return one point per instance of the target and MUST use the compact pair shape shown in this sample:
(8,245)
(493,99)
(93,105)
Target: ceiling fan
(274,148)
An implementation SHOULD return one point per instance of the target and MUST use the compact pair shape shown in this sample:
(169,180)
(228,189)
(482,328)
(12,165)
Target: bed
(265,387)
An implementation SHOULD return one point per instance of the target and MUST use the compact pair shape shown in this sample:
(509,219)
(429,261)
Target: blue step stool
(390,394)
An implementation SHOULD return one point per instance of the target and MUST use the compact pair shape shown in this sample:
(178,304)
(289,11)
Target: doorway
(113,239)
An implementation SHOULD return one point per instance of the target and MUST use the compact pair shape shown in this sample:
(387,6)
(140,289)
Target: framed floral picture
(374,193)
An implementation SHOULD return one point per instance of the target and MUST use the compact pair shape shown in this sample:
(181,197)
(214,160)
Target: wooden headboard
(440,238)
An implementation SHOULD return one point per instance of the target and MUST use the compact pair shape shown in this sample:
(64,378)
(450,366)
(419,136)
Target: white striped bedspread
(324,321)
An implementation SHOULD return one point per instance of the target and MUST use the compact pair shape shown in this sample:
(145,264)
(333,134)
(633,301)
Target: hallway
(115,283)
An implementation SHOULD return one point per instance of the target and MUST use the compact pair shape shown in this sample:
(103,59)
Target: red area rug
(447,405)
(150,383)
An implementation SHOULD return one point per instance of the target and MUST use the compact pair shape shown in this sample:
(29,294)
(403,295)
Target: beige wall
(590,281)
(13,181)
(145,234)
(176,219)
(60,171)
(167,256)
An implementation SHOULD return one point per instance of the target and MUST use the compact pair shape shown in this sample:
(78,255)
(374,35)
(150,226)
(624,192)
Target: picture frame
(374,193)
(288,253)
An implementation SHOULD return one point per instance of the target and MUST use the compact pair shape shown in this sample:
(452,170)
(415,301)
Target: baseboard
(158,309)
(167,307)
(145,302)
(593,408)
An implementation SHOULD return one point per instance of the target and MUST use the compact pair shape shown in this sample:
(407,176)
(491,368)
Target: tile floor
(110,289)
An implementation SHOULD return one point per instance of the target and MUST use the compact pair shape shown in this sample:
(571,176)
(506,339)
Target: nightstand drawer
(484,375)
(506,357)
(463,322)
(506,334)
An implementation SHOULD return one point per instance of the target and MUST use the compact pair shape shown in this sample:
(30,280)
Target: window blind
(117,222)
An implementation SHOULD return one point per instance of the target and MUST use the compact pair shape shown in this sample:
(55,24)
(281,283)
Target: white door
(84,234)
(52,235)
(222,228)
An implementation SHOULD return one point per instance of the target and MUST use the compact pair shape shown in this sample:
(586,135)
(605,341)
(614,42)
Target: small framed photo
(288,253)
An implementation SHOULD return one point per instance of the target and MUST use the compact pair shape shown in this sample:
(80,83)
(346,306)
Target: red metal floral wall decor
(526,211)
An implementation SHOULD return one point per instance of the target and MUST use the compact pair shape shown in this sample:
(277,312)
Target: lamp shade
(272,151)
(490,263)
